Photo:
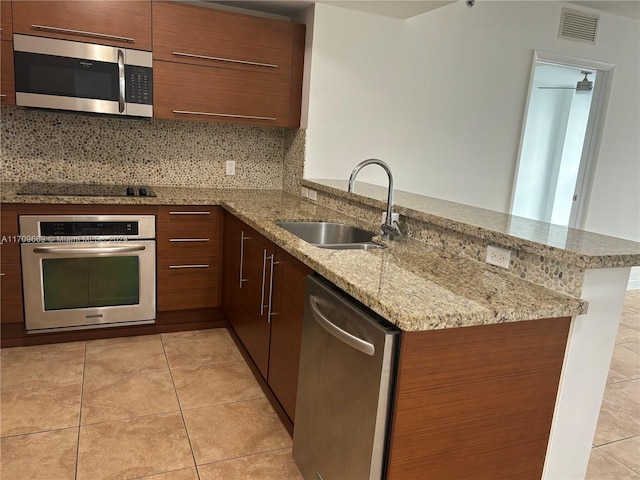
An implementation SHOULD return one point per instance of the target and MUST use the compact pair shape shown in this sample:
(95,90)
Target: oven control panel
(72,229)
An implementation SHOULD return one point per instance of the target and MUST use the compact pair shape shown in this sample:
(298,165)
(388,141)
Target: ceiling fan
(584,85)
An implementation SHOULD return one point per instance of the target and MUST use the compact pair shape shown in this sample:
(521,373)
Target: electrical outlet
(313,195)
(395,217)
(497,256)
(305,192)
(231,167)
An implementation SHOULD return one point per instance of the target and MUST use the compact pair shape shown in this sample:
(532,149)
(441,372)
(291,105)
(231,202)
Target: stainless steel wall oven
(88,271)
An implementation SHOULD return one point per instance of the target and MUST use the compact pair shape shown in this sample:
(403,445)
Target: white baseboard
(634,279)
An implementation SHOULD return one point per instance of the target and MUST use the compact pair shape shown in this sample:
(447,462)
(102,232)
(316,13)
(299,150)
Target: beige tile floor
(178,406)
(184,406)
(616,451)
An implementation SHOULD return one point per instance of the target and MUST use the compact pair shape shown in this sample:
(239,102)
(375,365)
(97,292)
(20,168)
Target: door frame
(593,134)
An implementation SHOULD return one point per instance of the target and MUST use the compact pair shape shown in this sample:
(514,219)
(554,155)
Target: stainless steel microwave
(66,75)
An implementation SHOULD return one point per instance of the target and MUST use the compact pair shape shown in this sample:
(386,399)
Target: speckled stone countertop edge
(530,301)
(506,240)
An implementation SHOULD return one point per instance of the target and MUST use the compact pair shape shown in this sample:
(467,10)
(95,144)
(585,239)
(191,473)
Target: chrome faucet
(389,227)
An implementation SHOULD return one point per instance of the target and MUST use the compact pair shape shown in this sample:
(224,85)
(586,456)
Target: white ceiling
(407,9)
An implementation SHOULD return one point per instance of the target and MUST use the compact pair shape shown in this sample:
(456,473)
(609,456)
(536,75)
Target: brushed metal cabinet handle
(242,239)
(264,275)
(224,59)
(174,267)
(2,95)
(183,240)
(190,213)
(224,115)
(47,28)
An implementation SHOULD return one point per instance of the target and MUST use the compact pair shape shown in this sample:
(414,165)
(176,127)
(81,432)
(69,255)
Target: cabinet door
(10,271)
(125,23)
(5,20)
(248,261)
(217,66)
(205,36)
(195,92)
(286,328)
(7,82)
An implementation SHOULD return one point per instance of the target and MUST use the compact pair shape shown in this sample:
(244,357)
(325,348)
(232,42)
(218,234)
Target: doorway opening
(559,138)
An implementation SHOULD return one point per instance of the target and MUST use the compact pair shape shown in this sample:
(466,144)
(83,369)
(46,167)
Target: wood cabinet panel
(11,294)
(192,286)
(219,95)
(10,250)
(7,80)
(188,240)
(193,30)
(127,19)
(6,22)
(476,402)
(290,277)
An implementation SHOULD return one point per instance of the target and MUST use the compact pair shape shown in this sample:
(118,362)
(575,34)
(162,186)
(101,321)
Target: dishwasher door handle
(345,337)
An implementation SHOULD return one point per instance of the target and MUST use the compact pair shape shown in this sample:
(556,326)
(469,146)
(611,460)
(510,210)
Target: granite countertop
(415,286)
(577,247)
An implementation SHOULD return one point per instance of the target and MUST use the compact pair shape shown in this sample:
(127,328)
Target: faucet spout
(389,228)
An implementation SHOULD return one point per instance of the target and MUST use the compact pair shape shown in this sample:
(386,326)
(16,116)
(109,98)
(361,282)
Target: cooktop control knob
(142,192)
(130,192)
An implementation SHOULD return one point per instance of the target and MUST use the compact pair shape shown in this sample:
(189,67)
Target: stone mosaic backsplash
(553,274)
(47,146)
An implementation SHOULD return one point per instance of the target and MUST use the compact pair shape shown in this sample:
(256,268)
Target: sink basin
(331,235)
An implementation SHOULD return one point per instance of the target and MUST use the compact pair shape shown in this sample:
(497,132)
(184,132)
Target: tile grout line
(184,423)
(618,461)
(84,369)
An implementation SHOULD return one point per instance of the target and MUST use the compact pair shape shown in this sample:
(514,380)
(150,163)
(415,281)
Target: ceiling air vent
(576,25)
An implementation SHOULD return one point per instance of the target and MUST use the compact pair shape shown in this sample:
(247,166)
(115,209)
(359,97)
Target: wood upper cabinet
(263,297)
(188,257)
(121,23)
(7,82)
(220,66)
(5,20)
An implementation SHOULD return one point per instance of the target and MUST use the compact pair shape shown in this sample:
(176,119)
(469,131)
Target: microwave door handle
(121,81)
(89,250)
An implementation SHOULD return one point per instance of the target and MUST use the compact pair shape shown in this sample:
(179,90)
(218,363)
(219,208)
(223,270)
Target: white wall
(441,98)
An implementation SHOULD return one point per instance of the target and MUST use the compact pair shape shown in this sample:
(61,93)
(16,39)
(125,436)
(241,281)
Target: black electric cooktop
(86,190)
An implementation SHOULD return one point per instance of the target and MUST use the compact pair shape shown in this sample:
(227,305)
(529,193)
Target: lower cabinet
(188,257)
(263,298)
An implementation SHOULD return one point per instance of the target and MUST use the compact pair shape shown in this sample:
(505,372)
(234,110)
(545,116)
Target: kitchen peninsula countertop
(413,285)
(577,247)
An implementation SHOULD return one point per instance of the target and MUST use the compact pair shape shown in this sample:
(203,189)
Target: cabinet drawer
(222,95)
(11,294)
(187,285)
(119,23)
(188,222)
(200,250)
(187,33)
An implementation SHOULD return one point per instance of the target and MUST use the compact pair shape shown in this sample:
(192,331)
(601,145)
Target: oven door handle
(89,250)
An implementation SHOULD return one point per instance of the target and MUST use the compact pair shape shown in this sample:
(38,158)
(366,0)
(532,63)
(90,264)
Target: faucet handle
(390,230)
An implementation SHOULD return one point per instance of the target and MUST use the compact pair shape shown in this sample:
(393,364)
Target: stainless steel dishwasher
(347,373)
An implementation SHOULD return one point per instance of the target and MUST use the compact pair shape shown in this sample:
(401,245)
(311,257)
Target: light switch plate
(231,167)
(313,195)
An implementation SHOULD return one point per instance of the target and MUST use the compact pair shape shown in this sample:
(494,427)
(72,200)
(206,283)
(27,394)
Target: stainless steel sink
(331,235)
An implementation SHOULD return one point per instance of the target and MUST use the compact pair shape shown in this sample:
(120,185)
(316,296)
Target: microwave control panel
(139,84)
